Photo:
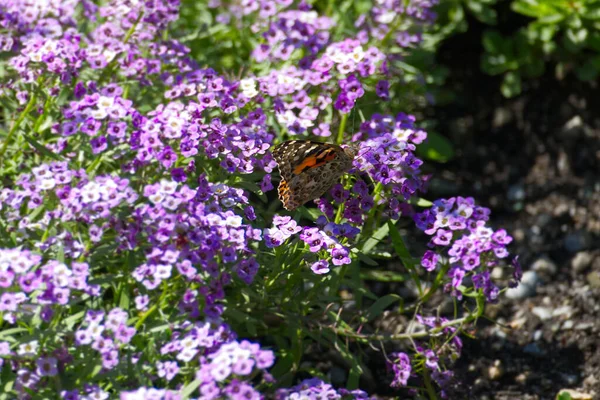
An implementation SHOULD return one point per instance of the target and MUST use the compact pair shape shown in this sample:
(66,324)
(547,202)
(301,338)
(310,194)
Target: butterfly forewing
(308,169)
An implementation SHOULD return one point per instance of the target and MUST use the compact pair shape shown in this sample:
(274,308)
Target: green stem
(17,124)
(109,70)
(368,225)
(393,29)
(340,212)
(145,315)
(401,336)
(428,385)
(342,128)
(436,284)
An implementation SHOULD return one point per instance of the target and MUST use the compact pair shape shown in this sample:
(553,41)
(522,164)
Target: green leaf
(379,234)
(310,213)
(382,276)
(380,305)
(187,391)
(94,165)
(483,12)
(564,396)
(400,247)
(551,19)
(436,148)
(349,356)
(593,41)
(545,32)
(589,70)
(493,42)
(590,11)
(70,321)
(41,148)
(6,333)
(366,259)
(420,202)
(511,85)
(577,36)
(530,8)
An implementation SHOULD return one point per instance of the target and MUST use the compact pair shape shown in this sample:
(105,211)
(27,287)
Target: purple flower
(400,363)
(290,228)
(47,366)
(382,89)
(339,194)
(339,256)
(167,370)
(266,184)
(243,366)
(343,103)
(320,267)
(442,237)
(273,237)
(429,260)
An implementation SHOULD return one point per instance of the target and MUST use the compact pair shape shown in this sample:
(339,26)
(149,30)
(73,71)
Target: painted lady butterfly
(308,169)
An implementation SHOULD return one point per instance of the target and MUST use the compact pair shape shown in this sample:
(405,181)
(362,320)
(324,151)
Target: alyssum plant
(139,240)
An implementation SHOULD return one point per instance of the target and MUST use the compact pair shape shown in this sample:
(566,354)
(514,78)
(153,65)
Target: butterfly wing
(308,169)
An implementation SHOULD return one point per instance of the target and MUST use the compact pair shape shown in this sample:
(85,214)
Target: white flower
(90,192)
(248,87)
(47,183)
(28,349)
(234,221)
(105,102)
(168,187)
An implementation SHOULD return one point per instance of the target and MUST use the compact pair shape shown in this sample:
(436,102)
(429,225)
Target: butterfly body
(308,169)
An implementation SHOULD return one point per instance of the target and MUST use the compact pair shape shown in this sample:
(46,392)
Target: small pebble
(576,241)
(582,261)
(564,310)
(516,192)
(496,371)
(522,378)
(544,265)
(543,313)
(570,379)
(593,278)
(497,273)
(533,349)
(568,324)
(582,326)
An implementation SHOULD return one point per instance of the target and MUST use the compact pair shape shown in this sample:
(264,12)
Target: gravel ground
(535,160)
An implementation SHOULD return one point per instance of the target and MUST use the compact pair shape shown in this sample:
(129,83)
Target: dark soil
(535,161)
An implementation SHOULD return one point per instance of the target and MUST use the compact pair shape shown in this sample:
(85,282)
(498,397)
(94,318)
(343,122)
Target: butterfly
(308,169)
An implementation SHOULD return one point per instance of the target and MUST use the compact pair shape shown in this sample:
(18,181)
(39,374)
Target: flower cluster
(444,350)
(301,94)
(92,201)
(458,224)
(106,334)
(386,153)
(22,19)
(315,388)
(325,240)
(144,393)
(29,286)
(402,20)
(224,363)
(291,30)
(401,367)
